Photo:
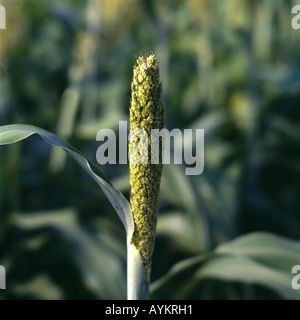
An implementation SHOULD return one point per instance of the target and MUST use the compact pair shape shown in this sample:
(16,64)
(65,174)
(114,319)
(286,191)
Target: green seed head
(147,112)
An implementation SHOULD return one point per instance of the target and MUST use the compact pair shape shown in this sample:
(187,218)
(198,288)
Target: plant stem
(137,285)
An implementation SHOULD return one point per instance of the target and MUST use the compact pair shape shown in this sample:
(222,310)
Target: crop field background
(229,67)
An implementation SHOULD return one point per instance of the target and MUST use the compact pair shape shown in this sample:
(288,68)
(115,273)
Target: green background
(230,67)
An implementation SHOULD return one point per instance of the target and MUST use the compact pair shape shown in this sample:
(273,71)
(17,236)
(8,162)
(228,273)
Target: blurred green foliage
(229,67)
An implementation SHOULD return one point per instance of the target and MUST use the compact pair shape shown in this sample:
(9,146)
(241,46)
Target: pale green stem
(137,285)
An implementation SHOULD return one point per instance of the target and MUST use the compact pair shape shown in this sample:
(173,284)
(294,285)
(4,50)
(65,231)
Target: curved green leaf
(257,258)
(14,133)
(100,266)
(176,277)
(248,271)
(271,250)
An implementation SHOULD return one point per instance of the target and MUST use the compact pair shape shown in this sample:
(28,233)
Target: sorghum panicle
(147,112)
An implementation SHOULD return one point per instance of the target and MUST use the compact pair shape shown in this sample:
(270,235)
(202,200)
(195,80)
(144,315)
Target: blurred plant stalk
(80,76)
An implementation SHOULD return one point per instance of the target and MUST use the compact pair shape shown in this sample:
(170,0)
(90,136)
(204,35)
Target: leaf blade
(14,133)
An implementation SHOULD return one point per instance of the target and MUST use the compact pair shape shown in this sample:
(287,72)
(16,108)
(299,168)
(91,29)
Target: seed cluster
(147,112)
